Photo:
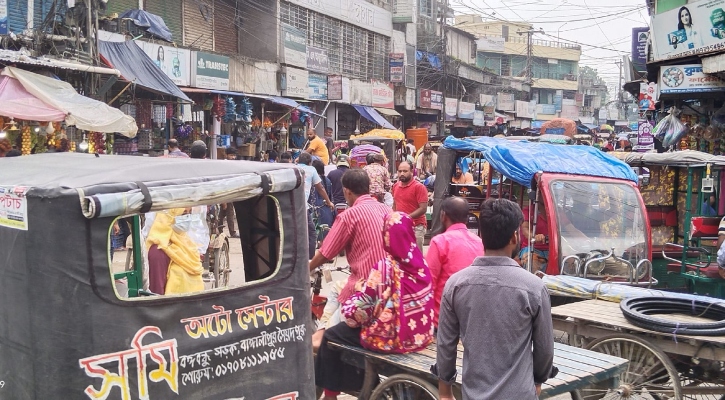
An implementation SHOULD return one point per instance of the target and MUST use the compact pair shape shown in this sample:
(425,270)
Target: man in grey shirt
(498,310)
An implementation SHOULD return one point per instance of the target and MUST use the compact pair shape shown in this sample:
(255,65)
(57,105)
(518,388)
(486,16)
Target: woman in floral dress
(391,311)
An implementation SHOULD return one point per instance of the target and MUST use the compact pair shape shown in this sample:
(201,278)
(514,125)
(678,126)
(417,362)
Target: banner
(451,109)
(173,61)
(491,44)
(424,98)
(397,67)
(505,101)
(647,96)
(294,46)
(688,78)
(645,139)
(489,113)
(479,118)
(466,110)
(436,100)
(524,109)
(383,94)
(317,86)
(317,60)
(334,87)
(639,48)
(697,28)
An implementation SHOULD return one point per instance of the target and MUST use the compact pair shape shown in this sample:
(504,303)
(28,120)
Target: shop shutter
(17,15)
(198,24)
(170,11)
(40,11)
(119,6)
(225,26)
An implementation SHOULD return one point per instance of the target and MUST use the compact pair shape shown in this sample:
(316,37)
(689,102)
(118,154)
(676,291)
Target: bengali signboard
(383,94)
(211,72)
(397,67)
(639,48)
(424,98)
(479,118)
(645,139)
(297,82)
(466,110)
(334,87)
(697,28)
(558,99)
(489,113)
(688,78)
(317,60)
(451,109)
(294,46)
(491,44)
(317,86)
(14,207)
(505,101)
(570,112)
(546,109)
(436,100)
(173,61)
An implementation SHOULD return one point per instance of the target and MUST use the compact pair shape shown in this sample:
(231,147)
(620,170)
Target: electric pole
(620,99)
(529,55)
(444,51)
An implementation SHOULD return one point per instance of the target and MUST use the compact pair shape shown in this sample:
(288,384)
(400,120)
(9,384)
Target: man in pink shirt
(452,250)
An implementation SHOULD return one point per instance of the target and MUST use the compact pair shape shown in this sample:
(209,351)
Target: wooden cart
(661,365)
(409,376)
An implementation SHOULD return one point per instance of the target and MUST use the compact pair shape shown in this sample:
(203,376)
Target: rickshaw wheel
(405,387)
(221,266)
(649,375)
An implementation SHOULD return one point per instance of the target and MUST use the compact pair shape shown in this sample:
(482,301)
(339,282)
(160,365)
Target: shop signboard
(505,101)
(317,86)
(579,99)
(436,100)
(701,31)
(491,44)
(361,92)
(334,87)
(424,98)
(466,110)
(645,139)
(546,109)
(451,109)
(211,71)
(356,12)
(404,11)
(14,207)
(383,94)
(570,112)
(345,90)
(647,96)
(3,17)
(397,67)
(297,83)
(294,46)
(173,61)
(558,98)
(317,60)
(478,118)
(688,78)
(487,100)
(489,113)
(639,48)
(525,109)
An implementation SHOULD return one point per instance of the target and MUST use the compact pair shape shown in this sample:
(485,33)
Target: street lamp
(557,33)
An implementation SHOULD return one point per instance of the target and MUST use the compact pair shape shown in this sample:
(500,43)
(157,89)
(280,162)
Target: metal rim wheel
(650,374)
(405,387)
(221,266)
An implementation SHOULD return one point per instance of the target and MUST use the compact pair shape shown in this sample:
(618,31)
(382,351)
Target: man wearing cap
(174,151)
(198,149)
(335,177)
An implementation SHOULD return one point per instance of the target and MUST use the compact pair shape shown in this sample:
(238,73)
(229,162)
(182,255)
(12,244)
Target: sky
(602,27)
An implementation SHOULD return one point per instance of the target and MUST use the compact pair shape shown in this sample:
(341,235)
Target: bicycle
(318,301)
(216,260)
(321,230)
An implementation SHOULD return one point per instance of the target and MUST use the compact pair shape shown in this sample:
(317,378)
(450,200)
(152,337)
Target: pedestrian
(357,231)
(329,142)
(227,209)
(312,179)
(452,250)
(316,146)
(272,156)
(335,176)
(411,147)
(174,151)
(411,197)
(198,149)
(427,162)
(324,214)
(231,153)
(501,312)
(379,176)
(285,158)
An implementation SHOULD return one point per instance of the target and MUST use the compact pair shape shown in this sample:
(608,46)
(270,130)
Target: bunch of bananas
(72,146)
(27,141)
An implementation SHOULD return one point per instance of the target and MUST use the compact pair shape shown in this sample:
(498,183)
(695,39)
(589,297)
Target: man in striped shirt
(358,231)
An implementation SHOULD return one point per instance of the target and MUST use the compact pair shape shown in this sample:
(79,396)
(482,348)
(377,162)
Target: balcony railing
(547,43)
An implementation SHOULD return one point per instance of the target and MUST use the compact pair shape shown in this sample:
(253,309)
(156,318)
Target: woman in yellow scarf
(170,247)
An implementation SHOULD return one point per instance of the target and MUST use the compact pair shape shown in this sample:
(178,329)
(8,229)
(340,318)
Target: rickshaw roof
(76,170)
(521,160)
(683,158)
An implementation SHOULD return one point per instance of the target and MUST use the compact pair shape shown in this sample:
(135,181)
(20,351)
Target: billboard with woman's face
(697,28)
(174,62)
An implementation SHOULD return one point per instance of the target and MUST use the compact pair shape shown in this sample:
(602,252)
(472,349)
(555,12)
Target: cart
(661,365)
(409,376)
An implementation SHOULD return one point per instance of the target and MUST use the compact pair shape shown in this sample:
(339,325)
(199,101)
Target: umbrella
(559,126)
(382,133)
(606,127)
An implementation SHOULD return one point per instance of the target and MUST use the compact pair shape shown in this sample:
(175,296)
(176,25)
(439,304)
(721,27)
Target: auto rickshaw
(676,188)
(591,194)
(69,333)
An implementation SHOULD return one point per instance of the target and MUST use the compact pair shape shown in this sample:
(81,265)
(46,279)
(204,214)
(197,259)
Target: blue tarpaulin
(153,24)
(292,104)
(372,115)
(521,160)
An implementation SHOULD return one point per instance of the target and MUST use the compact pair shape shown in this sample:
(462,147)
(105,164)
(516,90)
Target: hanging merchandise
(183,131)
(144,112)
(169,111)
(718,119)
(245,110)
(256,123)
(304,118)
(670,130)
(27,141)
(267,123)
(295,116)
(159,115)
(219,107)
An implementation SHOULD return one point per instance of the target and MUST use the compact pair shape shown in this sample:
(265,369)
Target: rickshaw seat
(711,272)
(705,227)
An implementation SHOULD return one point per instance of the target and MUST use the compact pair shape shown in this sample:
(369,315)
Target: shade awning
(136,66)
(245,94)
(12,56)
(372,115)
(292,104)
(18,103)
(387,111)
(83,112)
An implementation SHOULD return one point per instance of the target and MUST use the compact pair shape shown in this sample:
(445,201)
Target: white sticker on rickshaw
(14,207)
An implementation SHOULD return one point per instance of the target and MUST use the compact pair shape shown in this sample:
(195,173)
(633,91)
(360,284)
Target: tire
(405,387)
(221,266)
(650,374)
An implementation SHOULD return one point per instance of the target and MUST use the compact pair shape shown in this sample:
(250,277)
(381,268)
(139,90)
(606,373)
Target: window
(188,250)
(505,32)
(426,8)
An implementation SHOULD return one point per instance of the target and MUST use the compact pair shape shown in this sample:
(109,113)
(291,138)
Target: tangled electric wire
(639,311)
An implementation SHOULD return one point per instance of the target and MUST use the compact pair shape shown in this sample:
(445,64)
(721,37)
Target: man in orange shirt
(316,146)
(460,178)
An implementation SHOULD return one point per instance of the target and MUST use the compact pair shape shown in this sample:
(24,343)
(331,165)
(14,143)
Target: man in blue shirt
(709,207)
(312,178)
(335,176)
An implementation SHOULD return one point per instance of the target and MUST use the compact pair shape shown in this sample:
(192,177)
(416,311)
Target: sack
(669,130)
